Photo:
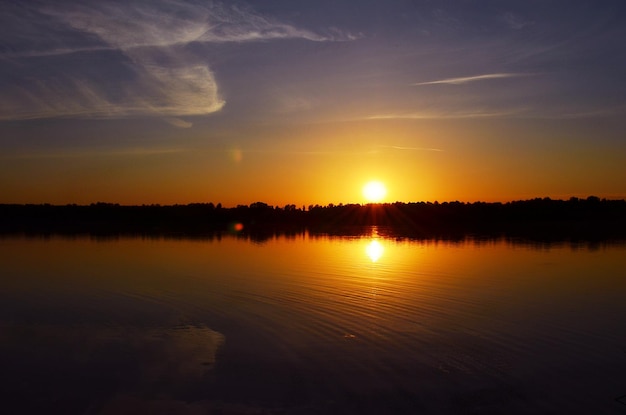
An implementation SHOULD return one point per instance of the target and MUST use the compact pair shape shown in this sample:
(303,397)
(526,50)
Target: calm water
(311,325)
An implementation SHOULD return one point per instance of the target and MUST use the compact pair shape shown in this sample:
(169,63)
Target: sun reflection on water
(374,250)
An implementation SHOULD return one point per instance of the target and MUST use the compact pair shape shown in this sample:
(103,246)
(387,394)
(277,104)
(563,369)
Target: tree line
(589,217)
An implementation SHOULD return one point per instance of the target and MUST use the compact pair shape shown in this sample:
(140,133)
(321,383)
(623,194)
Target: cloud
(99,153)
(515,21)
(580,113)
(292,103)
(168,23)
(177,122)
(521,113)
(444,115)
(412,148)
(118,59)
(100,93)
(464,80)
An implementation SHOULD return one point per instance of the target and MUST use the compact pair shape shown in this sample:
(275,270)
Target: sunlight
(374,250)
(374,191)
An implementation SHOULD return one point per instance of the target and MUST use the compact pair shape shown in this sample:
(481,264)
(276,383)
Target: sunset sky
(175,101)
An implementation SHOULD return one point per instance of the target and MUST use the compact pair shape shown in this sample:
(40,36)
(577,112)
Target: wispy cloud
(467,79)
(306,152)
(515,21)
(520,113)
(292,103)
(444,115)
(176,22)
(100,153)
(178,122)
(122,58)
(411,148)
(579,114)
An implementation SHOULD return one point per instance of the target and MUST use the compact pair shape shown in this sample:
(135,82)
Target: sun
(374,191)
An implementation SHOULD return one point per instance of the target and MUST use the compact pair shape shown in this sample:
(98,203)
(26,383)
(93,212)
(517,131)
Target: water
(311,325)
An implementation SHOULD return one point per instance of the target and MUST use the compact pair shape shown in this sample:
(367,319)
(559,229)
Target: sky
(303,102)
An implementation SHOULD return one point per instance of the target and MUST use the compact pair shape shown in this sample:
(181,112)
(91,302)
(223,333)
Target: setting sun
(374,191)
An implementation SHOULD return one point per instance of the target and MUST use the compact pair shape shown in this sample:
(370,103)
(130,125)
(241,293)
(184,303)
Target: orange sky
(416,160)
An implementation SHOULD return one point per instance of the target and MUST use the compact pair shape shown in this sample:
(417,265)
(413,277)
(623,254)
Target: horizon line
(330,204)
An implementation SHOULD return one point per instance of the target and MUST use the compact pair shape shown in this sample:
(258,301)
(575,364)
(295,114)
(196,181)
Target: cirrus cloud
(467,79)
(120,59)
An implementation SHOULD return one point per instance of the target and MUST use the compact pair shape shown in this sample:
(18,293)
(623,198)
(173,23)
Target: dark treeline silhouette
(590,218)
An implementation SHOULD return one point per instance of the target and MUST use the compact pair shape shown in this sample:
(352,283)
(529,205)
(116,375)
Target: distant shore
(540,218)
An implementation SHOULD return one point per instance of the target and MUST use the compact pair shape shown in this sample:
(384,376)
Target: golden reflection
(374,250)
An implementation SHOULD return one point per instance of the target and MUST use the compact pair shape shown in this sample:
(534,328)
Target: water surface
(311,324)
